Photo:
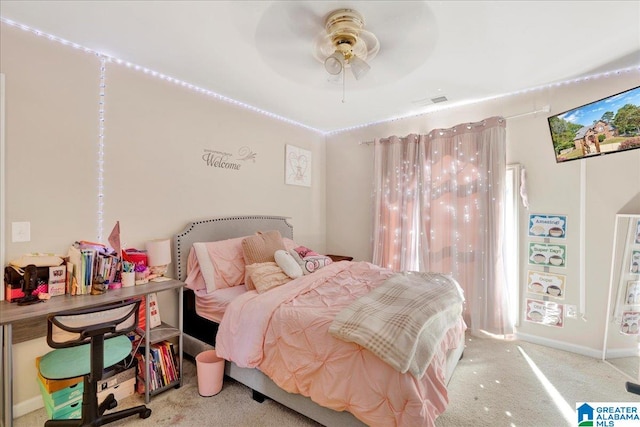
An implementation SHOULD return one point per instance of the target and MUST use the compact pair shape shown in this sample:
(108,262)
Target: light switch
(20,231)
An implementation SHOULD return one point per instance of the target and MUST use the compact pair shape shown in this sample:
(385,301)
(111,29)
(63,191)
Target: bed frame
(199,333)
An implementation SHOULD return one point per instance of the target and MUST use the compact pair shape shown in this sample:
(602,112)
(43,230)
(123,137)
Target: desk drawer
(63,396)
(69,410)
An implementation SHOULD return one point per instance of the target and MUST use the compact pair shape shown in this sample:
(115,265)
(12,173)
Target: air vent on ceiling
(439,99)
(430,100)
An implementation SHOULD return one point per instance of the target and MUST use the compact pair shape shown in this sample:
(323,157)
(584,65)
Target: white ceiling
(260,52)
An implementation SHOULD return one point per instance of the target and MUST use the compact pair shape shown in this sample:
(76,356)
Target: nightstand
(336,258)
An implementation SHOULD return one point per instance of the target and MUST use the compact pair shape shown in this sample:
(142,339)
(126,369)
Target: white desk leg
(7,375)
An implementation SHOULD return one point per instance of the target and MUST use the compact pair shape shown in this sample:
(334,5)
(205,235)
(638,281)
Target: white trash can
(210,372)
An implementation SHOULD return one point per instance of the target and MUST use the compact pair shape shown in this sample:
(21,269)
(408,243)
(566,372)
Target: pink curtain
(439,206)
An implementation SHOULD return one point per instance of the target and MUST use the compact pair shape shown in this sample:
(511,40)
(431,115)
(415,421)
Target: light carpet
(497,383)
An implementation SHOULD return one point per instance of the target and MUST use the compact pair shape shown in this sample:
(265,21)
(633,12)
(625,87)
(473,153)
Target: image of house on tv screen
(609,125)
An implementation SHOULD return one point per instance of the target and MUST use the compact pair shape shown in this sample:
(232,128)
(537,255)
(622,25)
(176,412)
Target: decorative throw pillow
(305,252)
(259,248)
(296,256)
(266,275)
(221,263)
(313,263)
(289,244)
(288,264)
(194,279)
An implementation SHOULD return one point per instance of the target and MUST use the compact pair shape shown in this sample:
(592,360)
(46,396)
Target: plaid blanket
(403,320)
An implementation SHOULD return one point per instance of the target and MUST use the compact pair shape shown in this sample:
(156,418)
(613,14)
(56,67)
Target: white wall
(155,180)
(613,186)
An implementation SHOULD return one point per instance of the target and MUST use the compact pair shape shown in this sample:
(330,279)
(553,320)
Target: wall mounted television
(607,126)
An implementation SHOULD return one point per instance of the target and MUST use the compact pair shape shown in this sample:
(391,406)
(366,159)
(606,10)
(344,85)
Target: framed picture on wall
(547,284)
(544,312)
(297,166)
(544,225)
(635,262)
(547,254)
(629,324)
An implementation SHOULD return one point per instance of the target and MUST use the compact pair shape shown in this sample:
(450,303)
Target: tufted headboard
(211,230)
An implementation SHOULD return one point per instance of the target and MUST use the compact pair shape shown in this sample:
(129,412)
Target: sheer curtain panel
(439,206)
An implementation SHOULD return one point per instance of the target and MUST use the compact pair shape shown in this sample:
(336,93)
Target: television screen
(609,125)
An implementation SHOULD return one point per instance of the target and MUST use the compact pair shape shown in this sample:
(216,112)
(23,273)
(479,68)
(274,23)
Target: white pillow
(206,267)
(288,264)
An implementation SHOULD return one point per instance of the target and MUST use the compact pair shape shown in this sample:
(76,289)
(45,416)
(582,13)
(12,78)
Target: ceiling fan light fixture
(334,63)
(345,43)
(359,67)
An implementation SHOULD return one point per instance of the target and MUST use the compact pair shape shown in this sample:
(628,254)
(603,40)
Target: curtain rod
(544,109)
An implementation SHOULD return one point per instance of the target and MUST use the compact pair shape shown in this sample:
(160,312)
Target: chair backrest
(77,327)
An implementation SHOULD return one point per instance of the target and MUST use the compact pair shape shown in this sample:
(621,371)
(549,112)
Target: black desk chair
(86,342)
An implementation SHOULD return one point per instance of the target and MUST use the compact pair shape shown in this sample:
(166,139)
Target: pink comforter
(284,333)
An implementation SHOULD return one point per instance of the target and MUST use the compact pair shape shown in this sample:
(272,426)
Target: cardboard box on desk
(57,280)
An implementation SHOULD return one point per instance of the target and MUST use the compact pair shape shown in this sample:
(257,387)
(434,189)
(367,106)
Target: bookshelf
(154,360)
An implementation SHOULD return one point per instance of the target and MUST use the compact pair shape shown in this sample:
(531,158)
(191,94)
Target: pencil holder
(128,278)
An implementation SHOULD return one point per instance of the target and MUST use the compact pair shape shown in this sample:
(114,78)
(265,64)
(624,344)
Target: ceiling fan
(344,43)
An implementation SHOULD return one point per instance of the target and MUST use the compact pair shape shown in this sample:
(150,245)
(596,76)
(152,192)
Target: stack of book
(163,368)
(87,260)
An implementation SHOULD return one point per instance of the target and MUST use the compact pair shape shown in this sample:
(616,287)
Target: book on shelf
(163,367)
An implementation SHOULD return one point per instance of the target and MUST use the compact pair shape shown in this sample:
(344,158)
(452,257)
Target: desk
(11,313)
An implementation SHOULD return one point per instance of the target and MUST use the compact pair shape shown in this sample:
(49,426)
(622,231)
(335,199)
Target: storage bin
(116,379)
(68,410)
(120,391)
(210,372)
(62,396)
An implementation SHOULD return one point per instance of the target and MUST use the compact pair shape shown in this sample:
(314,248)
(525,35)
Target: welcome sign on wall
(228,161)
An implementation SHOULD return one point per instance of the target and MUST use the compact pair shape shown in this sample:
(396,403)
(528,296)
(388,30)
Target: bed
(288,388)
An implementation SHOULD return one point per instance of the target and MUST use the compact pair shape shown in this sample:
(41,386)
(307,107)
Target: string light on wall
(101,148)
(108,58)
(159,75)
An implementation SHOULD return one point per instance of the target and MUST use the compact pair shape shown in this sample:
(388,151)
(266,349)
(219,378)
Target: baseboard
(27,406)
(617,353)
(578,349)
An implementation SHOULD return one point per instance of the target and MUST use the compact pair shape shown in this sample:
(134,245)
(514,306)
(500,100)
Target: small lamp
(158,258)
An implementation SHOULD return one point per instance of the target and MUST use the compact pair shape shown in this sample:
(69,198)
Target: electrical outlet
(20,231)
(572,311)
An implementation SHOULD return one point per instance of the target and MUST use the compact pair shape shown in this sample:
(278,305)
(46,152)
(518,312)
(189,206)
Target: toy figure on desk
(98,287)
(29,284)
